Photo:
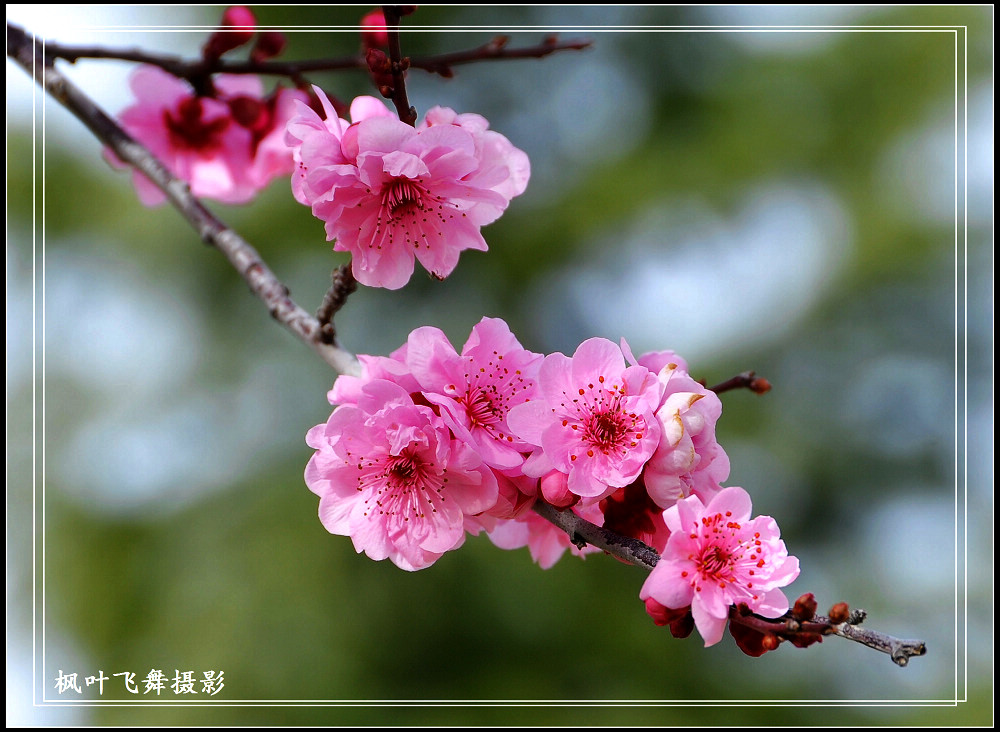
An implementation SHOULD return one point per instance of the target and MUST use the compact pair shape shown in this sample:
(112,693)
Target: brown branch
(633,551)
(582,532)
(493,50)
(407,114)
(343,284)
(787,627)
(746,380)
(244,258)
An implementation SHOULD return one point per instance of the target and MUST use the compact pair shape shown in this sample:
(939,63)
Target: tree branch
(633,551)
(746,380)
(407,114)
(581,532)
(494,50)
(244,258)
(341,287)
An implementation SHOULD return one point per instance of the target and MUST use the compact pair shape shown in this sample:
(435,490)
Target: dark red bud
(269,44)
(683,626)
(805,607)
(241,20)
(760,386)
(770,642)
(677,619)
(378,62)
(839,613)
(804,640)
(748,640)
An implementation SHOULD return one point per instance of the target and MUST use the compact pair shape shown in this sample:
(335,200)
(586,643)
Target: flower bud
(770,642)
(555,490)
(805,607)
(269,44)
(223,40)
(839,613)
(804,640)
(373,32)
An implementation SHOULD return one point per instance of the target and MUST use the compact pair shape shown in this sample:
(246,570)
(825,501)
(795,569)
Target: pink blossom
(716,557)
(390,476)
(688,459)
(477,389)
(594,419)
(390,193)
(226,147)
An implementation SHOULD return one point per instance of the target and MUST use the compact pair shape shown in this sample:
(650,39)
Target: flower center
(188,130)
(402,193)
(479,407)
(606,430)
(401,471)
(405,486)
(715,561)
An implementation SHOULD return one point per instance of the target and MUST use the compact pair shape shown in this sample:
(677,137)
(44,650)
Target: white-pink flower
(477,389)
(688,459)
(226,147)
(390,193)
(390,476)
(594,419)
(716,557)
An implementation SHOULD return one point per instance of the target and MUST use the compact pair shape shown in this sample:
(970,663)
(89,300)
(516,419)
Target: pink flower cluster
(390,193)
(429,444)
(227,147)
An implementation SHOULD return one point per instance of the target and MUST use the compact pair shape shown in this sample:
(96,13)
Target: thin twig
(406,113)
(494,50)
(746,380)
(244,258)
(581,531)
(636,552)
(343,284)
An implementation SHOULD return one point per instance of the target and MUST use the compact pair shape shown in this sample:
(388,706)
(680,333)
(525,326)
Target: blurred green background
(783,202)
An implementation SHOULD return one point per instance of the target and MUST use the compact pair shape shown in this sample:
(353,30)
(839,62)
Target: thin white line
(42,297)
(430,703)
(509,702)
(965,383)
(956,519)
(544,28)
(34,424)
(957,332)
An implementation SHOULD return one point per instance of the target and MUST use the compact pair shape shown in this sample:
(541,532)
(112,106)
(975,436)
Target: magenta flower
(390,476)
(594,419)
(688,459)
(717,557)
(477,389)
(390,193)
(227,147)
